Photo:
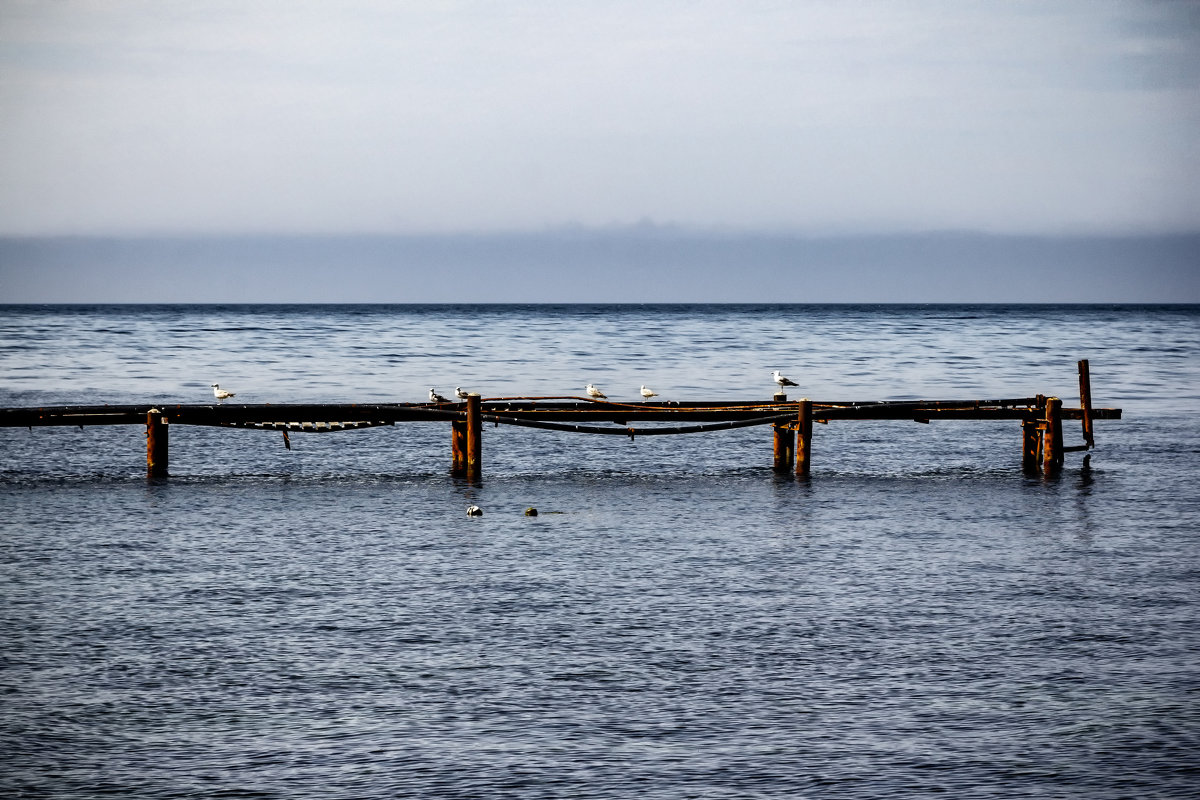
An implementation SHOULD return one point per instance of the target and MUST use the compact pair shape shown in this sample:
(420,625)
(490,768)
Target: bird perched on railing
(782,381)
(595,393)
(648,393)
(460,393)
(220,393)
(434,397)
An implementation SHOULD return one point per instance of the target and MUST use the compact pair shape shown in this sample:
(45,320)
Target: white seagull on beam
(783,380)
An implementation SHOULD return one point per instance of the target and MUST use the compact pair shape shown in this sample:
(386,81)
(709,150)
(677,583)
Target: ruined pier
(1041,419)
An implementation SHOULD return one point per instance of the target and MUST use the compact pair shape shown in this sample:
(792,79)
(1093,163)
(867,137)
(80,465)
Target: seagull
(648,393)
(220,393)
(434,397)
(783,381)
(460,393)
(595,393)
(474,511)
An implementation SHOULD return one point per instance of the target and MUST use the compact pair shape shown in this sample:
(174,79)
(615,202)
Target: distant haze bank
(627,266)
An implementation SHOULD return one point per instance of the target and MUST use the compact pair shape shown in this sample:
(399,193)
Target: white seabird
(434,397)
(648,393)
(595,393)
(783,381)
(220,393)
(460,393)
(474,511)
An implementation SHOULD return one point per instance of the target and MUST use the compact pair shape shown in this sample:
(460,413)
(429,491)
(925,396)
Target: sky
(811,119)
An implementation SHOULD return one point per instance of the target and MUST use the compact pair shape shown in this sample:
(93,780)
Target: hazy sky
(399,117)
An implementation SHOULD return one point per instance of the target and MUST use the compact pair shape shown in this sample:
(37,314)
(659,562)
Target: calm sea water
(917,619)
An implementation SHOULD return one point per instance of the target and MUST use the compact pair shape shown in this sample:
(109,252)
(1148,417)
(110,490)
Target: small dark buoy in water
(531,512)
(474,511)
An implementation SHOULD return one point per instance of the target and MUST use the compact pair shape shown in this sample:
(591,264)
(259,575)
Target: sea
(917,618)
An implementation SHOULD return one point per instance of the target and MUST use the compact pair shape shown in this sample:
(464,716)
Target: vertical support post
(1052,438)
(1085,401)
(474,465)
(1031,446)
(156,444)
(458,447)
(785,441)
(804,439)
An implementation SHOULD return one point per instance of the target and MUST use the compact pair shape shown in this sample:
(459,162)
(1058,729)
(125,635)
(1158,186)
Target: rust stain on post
(458,447)
(1031,446)
(804,439)
(156,444)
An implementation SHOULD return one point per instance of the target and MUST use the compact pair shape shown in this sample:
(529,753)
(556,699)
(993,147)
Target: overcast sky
(400,117)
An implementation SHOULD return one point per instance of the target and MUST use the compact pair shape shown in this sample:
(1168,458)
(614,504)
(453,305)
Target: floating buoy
(531,512)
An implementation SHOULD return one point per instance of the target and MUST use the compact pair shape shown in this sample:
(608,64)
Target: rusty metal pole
(474,466)
(1031,446)
(1085,401)
(1052,438)
(458,447)
(156,444)
(785,441)
(804,438)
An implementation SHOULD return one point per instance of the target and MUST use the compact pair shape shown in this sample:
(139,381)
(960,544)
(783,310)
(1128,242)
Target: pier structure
(1043,449)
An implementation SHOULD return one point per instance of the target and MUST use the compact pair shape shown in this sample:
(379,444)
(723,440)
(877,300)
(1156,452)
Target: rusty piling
(156,444)
(804,438)
(1031,446)
(458,447)
(474,461)
(1085,402)
(785,440)
(1052,438)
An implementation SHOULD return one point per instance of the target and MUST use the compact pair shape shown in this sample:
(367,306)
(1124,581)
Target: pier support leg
(804,439)
(156,444)
(1085,401)
(1052,438)
(458,447)
(1031,446)
(474,465)
(785,441)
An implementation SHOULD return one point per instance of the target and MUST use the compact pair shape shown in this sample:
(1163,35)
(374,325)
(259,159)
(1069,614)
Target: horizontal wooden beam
(336,416)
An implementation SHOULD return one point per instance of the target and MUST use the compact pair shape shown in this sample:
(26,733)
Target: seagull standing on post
(595,393)
(783,381)
(220,393)
(434,397)
(648,393)
(460,393)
